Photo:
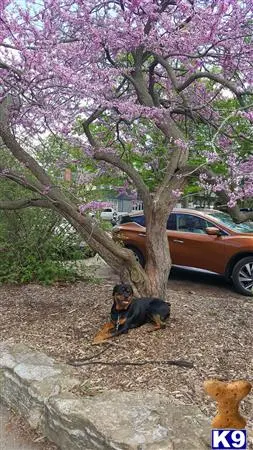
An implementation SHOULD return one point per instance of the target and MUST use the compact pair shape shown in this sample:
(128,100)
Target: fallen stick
(88,358)
(171,362)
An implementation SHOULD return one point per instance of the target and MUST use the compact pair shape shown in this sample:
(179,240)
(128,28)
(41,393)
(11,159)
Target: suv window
(139,219)
(191,224)
(171,223)
(125,219)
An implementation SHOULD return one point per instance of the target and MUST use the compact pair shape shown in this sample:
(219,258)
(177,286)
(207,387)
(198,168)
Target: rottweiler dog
(128,312)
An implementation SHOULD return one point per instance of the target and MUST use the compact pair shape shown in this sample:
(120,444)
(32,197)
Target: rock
(94,261)
(11,355)
(125,421)
(28,378)
(38,388)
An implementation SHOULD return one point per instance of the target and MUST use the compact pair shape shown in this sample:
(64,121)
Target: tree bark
(158,255)
(24,203)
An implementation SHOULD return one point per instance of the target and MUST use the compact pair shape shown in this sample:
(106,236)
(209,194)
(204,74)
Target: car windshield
(226,219)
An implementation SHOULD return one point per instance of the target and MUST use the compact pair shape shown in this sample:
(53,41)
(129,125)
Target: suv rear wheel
(242,276)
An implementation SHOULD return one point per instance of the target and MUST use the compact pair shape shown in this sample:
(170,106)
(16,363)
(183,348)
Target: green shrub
(34,245)
(27,268)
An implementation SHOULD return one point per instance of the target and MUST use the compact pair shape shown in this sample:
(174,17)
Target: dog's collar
(117,315)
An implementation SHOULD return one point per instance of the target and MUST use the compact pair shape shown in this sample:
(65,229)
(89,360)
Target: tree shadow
(196,278)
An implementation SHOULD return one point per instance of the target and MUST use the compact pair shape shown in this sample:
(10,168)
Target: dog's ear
(116,289)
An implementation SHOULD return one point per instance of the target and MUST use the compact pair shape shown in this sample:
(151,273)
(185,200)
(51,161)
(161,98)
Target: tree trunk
(158,255)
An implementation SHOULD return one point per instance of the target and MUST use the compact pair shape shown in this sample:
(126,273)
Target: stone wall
(39,389)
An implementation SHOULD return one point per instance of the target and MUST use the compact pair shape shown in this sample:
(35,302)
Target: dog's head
(122,296)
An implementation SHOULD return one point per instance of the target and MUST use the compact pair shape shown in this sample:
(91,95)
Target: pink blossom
(94,205)
(182,144)
(176,193)
(146,62)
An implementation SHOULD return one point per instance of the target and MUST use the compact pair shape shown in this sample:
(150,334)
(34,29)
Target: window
(125,219)
(139,219)
(171,223)
(192,224)
(134,219)
(226,219)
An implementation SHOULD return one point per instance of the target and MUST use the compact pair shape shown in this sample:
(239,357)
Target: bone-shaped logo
(228,396)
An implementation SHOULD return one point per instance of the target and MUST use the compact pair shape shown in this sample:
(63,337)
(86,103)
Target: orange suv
(203,239)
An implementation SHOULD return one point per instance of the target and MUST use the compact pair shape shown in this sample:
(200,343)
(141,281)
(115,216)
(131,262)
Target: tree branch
(26,203)
(240,216)
(15,148)
(21,180)
(214,77)
(151,89)
(169,362)
(114,159)
(95,115)
(179,88)
(235,212)
(86,126)
(138,81)
(173,78)
(129,170)
(164,5)
(5,66)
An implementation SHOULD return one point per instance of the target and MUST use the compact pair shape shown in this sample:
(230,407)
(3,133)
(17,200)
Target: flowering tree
(104,75)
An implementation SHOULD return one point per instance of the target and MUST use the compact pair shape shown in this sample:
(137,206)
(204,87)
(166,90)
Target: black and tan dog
(128,312)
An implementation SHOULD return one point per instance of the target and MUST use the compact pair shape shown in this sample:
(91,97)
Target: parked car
(246,209)
(108,214)
(206,239)
(119,217)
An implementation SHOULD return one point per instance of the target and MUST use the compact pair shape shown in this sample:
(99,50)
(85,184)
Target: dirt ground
(210,326)
(15,434)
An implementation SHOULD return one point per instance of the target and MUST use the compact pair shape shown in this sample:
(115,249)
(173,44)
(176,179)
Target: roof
(181,210)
